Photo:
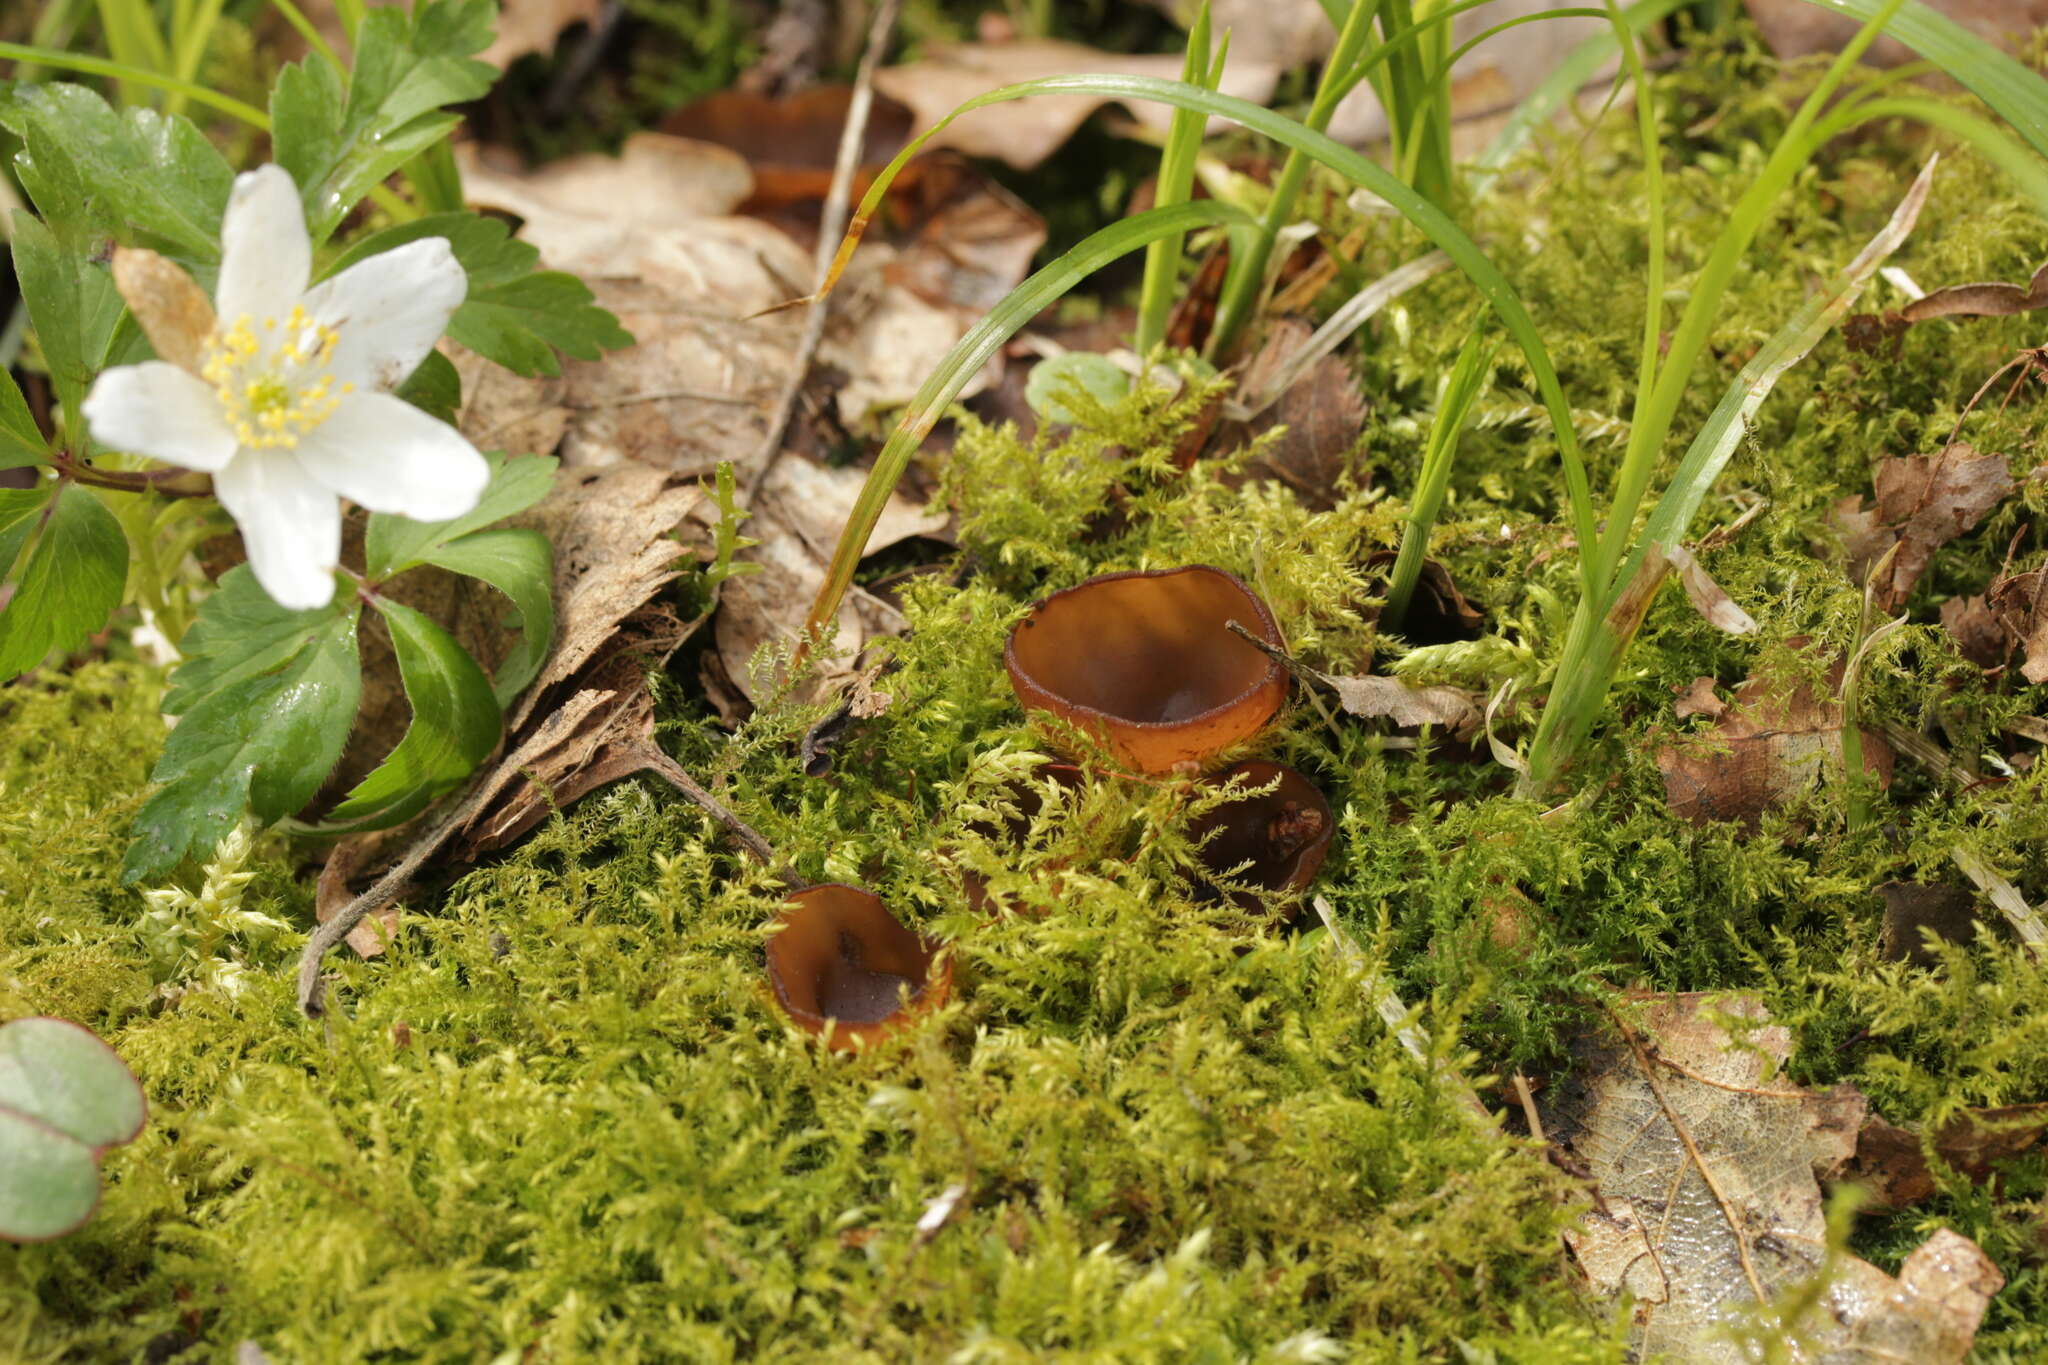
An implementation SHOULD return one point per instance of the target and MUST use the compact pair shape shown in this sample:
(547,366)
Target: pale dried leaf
(526,26)
(657,179)
(1317,419)
(332,893)
(1708,597)
(172,310)
(1706,1166)
(1974,627)
(1377,698)
(1980,300)
(2021,602)
(1025,132)
(1923,502)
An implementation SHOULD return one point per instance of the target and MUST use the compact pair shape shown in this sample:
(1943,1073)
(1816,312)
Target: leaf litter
(1706,1167)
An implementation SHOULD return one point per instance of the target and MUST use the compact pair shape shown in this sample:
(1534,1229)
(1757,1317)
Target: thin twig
(1529,1114)
(382,892)
(672,772)
(830,225)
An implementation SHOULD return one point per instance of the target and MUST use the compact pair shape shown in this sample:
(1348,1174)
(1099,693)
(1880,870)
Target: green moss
(561,1116)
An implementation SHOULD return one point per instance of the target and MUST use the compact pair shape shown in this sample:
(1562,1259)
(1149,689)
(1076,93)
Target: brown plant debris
(1699,699)
(2020,601)
(1313,427)
(1373,697)
(533,25)
(1923,502)
(1709,598)
(1975,628)
(1766,747)
(1706,1167)
(1948,912)
(1980,300)
(1892,1162)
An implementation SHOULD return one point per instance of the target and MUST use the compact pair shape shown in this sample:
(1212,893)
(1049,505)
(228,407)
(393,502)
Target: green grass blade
(2027,170)
(970,353)
(2015,93)
(1467,381)
(1601,631)
(95,66)
(1429,219)
(1176,183)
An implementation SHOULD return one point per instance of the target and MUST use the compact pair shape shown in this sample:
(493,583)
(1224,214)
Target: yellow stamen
(273,394)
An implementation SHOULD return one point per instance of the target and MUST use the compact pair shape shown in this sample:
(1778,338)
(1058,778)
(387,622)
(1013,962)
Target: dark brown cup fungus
(1029,799)
(1147,661)
(841,959)
(1283,835)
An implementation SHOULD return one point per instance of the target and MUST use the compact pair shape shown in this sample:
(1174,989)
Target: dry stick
(394,883)
(830,226)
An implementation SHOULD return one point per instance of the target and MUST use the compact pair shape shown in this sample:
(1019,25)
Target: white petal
(290,525)
(387,455)
(158,410)
(265,255)
(390,310)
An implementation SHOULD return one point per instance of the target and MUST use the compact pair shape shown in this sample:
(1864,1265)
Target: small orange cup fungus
(1283,834)
(841,961)
(1146,661)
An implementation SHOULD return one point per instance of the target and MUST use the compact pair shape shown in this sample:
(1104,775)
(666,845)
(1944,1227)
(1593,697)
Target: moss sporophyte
(280,388)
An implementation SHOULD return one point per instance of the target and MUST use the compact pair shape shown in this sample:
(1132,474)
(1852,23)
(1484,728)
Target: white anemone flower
(282,392)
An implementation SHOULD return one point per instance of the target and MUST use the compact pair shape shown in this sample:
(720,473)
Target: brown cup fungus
(1283,835)
(840,956)
(1147,662)
(1013,830)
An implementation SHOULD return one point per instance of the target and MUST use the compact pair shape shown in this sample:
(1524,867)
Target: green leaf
(70,583)
(62,1074)
(520,564)
(435,388)
(80,322)
(394,544)
(514,314)
(2017,94)
(267,700)
(1094,375)
(20,509)
(49,1182)
(20,442)
(149,179)
(337,143)
(455,725)
(64,1097)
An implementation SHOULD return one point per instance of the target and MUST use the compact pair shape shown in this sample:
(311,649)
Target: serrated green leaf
(520,564)
(393,544)
(241,632)
(62,1074)
(514,314)
(456,723)
(49,1181)
(70,583)
(260,741)
(20,442)
(149,179)
(435,388)
(339,144)
(79,320)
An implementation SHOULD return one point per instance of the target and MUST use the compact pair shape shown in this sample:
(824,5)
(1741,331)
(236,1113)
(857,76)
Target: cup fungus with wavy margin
(1147,661)
(1283,834)
(840,960)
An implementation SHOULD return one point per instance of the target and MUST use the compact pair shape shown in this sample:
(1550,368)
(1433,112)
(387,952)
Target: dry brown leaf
(169,306)
(797,519)
(1439,612)
(1377,698)
(1706,1166)
(1025,132)
(1891,1162)
(1950,912)
(532,26)
(1318,419)
(1699,699)
(332,892)
(2021,603)
(1923,502)
(1761,751)
(1974,627)
(1980,300)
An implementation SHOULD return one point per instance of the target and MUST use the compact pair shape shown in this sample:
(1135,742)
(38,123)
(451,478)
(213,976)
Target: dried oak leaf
(1923,502)
(1974,627)
(1762,750)
(1706,1167)
(1317,420)
(1892,1165)
(2021,604)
